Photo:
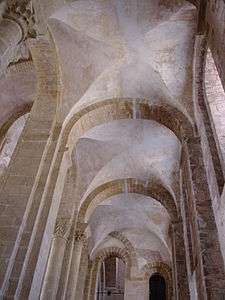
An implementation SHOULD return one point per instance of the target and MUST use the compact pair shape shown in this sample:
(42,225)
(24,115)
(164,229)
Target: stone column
(208,264)
(54,266)
(68,254)
(94,280)
(79,240)
(82,273)
(25,178)
(87,284)
(181,289)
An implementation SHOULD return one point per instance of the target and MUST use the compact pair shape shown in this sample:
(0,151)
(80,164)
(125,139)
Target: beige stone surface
(122,155)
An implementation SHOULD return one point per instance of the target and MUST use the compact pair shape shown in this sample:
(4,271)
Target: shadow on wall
(9,142)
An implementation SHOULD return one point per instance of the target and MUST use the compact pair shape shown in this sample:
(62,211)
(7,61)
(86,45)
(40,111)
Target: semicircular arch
(159,268)
(14,115)
(114,109)
(127,185)
(103,254)
(128,245)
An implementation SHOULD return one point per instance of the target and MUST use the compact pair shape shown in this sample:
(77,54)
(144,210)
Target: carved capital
(62,228)
(80,236)
(22,12)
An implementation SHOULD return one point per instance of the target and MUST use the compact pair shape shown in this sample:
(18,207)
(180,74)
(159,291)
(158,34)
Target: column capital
(62,228)
(23,13)
(80,236)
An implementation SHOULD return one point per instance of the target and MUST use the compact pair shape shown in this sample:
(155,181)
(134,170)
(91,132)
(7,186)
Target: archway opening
(157,288)
(111,279)
(9,141)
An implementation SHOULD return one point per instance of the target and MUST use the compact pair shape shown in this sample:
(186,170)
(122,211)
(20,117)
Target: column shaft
(55,261)
(82,274)
(79,240)
(94,281)
(74,270)
(87,285)
(179,262)
(61,294)
(52,275)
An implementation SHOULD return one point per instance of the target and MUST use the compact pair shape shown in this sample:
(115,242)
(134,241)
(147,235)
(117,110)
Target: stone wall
(214,20)
(216,100)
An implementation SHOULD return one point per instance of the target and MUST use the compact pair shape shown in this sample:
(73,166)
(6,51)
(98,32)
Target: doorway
(157,288)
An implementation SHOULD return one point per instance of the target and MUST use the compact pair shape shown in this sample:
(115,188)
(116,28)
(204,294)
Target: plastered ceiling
(117,50)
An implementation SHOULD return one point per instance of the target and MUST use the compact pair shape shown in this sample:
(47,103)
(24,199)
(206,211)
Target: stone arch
(17,113)
(157,267)
(162,269)
(113,252)
(103,254)
(204,119)
(9,141)
(132,185)
(125,108)
(114,109)
(128,246)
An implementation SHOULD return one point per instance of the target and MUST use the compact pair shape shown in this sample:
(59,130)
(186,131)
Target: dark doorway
(157,288)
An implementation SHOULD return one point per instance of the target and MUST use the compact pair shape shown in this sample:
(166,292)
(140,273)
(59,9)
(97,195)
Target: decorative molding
(20,67)
(62,228)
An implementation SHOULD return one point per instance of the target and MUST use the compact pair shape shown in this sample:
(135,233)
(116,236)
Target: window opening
(111,279)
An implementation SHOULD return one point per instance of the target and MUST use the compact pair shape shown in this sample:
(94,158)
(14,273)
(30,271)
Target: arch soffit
(146,175)
(128,185)
(116,234)
(43,46)
(128,254)
(126,108)
(163,268)
(112,252)
(127,245)
(156,267)
(16,114)
(115,109)
(124,240)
